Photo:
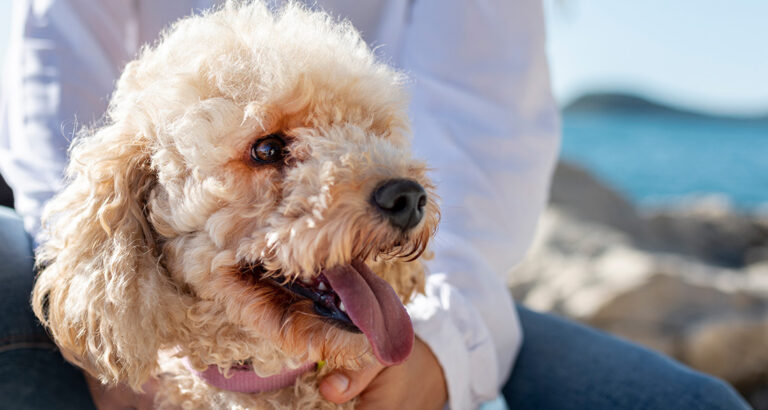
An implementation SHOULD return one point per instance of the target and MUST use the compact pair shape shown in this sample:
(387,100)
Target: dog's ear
(102,291)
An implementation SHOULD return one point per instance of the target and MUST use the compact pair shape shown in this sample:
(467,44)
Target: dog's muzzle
(401,201)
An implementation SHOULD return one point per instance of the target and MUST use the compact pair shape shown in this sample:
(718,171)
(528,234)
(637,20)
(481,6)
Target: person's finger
(342,385)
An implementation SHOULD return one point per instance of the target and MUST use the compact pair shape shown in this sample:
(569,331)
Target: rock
(726,239)
(590,200)
(731,348)
(704,227)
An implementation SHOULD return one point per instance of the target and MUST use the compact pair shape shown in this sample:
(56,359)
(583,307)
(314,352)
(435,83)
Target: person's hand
(417,383)
(121,397)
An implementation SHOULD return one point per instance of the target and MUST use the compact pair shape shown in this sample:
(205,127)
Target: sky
(706,55)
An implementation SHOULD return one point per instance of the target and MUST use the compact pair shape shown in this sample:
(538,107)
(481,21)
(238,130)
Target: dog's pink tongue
(374,307)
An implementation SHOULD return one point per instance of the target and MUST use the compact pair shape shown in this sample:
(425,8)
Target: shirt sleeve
(58,76)
(63,61)
(484,119)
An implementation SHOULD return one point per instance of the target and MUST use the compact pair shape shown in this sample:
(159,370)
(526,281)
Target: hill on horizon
(607,102)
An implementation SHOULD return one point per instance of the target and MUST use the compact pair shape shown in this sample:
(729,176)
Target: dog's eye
(268,150)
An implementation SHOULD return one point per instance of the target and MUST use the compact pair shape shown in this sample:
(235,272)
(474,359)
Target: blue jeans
(33,375)
(561,365)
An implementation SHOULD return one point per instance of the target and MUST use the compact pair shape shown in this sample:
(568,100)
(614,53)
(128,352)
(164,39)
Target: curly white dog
(249,209)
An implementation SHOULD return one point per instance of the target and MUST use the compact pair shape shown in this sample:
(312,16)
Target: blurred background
(658,224)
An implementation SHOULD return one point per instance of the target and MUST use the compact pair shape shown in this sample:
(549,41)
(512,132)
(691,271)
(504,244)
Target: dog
(247,218)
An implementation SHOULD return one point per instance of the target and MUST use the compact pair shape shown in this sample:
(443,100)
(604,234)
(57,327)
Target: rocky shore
(690,280)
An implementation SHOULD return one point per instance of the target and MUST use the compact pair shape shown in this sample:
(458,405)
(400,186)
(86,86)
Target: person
(483,117)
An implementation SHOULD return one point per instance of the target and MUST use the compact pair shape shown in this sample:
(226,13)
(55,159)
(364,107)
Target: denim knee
(18,325)
(707,392)
(566,365)
(15,245)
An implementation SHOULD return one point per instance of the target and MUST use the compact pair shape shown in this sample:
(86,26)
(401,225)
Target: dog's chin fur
(147,246)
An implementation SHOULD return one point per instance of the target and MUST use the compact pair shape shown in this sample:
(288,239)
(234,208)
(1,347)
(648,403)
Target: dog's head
(251,197)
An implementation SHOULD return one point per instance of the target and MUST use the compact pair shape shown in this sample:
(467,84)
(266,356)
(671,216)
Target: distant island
(633,104)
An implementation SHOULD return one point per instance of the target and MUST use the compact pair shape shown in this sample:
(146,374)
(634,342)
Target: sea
(658,159)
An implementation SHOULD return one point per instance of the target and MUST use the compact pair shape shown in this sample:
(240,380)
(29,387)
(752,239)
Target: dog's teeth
(322,286)
(342,307)
(306,281)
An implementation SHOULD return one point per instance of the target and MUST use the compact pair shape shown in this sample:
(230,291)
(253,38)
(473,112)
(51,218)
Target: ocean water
(657,159)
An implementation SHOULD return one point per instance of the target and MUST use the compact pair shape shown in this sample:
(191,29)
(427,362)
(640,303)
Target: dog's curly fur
(148,247)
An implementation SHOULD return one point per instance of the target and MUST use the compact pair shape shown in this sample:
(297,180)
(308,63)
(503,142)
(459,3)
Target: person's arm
(484,119)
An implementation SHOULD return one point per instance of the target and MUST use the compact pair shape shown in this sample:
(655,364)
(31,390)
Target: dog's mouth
(327,302)
(353,298)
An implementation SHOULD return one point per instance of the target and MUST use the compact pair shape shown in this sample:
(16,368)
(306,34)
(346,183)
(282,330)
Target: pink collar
(242,379)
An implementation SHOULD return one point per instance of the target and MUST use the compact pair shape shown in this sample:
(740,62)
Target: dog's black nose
(401,201)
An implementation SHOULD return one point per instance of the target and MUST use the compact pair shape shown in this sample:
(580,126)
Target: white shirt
(482,114)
